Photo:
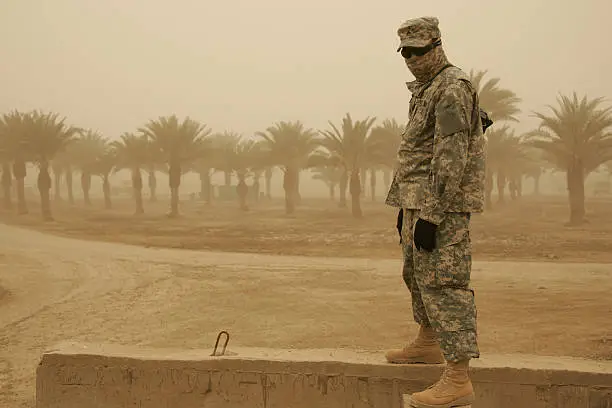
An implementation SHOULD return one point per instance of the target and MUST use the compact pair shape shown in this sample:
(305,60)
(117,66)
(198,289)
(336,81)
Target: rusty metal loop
(227,337)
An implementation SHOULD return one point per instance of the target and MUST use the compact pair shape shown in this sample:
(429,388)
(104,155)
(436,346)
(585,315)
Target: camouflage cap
(418,32)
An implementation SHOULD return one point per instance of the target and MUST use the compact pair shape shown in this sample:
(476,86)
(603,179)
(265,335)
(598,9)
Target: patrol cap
(418,32)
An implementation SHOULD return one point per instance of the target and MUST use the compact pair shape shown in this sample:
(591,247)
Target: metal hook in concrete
(227,337)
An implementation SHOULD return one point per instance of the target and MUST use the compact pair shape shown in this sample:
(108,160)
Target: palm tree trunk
(7,184)
(227,175)
(22,206)
(205,185)
(387,178)
(488,189)
(575,186)
(363,175)
(85,186)
(501,186)
(355,191)
(343,187)
(69,184)
(106,190)
(44,188)
(332,191)
(242,191)
(57,184)
(152,182)
(298,196)
(513,188)
(373,184)
(202,185)
(174,181)
(268,182)
(174,202)
(137,190)
(289,185)
(138,200)
(256,190)
(536,184)
(19,172)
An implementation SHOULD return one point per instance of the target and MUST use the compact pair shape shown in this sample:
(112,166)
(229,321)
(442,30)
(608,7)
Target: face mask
(423,63)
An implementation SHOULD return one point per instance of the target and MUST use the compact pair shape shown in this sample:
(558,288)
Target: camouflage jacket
(441,156)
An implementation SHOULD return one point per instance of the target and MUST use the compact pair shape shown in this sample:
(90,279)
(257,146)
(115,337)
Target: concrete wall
(99,376)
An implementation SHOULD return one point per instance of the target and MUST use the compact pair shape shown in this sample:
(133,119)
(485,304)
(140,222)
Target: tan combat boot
(454,389)
(425,349)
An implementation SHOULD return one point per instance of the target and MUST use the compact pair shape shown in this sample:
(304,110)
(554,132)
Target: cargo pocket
(449,264)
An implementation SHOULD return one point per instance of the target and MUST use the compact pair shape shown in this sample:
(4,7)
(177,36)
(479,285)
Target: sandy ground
(58,288)
(531,229)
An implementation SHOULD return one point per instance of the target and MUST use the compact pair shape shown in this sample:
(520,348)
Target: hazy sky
(241,65)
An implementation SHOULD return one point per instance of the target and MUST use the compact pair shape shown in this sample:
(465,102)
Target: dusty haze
(241,65)
(316,278)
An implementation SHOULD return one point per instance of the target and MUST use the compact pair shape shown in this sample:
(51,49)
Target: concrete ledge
(109,376)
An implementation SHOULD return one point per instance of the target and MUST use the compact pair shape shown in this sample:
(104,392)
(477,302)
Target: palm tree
(180,143)
(515,165)
(46,135)
(5,160)
(247,158)
(261,166)
(290,146)
(155,163)
(242,157)
(354,150)
(202,166)
(529,164)
(575,138)
(15,148)
(330,175)
(225,151)
(220,156)
(87,149)
(213,156)
(504,152)
(500,104)
(268,172)
(103,167)
(132,153)
(7,184)
(387,136)
(62,166)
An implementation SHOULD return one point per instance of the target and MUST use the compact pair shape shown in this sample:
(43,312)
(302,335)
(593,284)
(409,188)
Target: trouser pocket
(450,263)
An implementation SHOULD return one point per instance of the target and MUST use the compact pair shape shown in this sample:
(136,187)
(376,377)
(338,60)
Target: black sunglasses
(408,52)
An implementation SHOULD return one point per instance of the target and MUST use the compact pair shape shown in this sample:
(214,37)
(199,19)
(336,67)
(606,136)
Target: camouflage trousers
(439,284)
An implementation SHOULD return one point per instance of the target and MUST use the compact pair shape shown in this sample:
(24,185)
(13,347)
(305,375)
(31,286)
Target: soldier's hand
(425,235)
(400,222)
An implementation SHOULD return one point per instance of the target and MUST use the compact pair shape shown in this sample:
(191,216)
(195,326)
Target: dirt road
(60,289)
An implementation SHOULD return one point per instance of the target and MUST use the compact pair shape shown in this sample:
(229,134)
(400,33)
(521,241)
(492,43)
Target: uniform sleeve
(393,196)
(451,140)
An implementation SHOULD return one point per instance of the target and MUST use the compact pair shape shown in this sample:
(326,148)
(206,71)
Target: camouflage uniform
(440,178)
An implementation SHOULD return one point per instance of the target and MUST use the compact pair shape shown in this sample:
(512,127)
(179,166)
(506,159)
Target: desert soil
(56,288)
(530,229)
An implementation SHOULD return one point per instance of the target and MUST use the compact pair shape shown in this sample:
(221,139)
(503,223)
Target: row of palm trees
(573,138)
(175,147)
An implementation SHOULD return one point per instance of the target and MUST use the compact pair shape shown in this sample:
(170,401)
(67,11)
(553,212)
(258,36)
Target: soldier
(438,184)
